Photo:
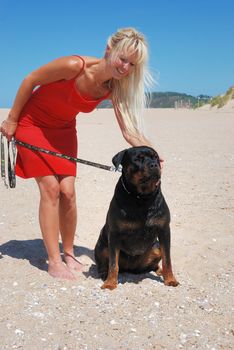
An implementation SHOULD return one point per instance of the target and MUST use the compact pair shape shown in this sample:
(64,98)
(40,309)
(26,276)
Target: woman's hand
(8,128)
(161,162)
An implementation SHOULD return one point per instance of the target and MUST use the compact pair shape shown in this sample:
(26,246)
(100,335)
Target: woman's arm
(134,139)
(61,68)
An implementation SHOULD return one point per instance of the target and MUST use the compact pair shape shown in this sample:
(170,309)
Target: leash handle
(9,163)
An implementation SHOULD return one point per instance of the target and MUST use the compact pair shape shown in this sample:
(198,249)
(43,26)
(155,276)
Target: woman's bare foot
(59,270)
(72,263)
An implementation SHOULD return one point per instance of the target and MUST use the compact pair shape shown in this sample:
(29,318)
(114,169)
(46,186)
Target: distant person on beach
(44,114)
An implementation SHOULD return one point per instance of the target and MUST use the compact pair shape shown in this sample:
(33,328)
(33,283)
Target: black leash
(11,151)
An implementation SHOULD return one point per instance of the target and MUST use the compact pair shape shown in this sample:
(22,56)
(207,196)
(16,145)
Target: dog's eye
(140,159)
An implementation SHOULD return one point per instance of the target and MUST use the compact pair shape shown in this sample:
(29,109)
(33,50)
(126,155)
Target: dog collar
(124,186)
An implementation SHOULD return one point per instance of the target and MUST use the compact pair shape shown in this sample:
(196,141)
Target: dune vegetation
(222,100)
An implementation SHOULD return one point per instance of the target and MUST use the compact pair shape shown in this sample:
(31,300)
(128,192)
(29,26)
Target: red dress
(48,120)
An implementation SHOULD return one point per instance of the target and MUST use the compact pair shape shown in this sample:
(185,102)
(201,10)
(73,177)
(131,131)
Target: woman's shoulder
(75,62)
(67,66)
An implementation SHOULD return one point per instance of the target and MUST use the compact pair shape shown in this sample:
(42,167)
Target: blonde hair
(129,93)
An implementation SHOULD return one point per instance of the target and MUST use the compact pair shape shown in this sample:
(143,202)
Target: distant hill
(172,100)
(169,100)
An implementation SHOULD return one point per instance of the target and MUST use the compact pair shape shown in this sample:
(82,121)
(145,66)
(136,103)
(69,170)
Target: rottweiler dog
(136,235)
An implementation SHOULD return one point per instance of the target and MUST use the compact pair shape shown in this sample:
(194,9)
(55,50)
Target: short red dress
(48,120)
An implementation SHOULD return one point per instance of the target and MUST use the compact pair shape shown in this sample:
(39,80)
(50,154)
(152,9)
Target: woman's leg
(68,219)
(49,222)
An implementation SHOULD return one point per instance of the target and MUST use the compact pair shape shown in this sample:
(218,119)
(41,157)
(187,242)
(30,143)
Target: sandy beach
(41,313)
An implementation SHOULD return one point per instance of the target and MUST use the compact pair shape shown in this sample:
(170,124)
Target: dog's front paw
(171,282)
(109,285)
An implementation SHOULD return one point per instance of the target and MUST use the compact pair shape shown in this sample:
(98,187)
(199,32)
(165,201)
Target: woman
(43,114)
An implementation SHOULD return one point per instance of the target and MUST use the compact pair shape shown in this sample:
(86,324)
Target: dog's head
(140,169)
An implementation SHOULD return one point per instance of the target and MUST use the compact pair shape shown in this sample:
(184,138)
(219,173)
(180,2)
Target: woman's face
(123,65)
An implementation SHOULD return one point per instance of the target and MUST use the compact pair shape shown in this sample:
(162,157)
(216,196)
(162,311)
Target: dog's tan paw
(109,285)
(171,282)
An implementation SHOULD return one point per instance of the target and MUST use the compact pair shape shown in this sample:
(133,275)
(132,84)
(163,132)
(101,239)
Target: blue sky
(191,41)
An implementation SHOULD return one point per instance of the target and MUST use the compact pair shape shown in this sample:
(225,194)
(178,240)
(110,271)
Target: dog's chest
(136,234)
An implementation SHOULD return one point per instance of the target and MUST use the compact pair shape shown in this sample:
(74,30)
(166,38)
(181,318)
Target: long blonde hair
(129,93)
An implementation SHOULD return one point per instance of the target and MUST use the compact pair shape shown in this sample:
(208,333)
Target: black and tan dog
(136,235)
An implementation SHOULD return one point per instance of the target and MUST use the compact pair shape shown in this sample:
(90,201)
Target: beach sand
(39,312)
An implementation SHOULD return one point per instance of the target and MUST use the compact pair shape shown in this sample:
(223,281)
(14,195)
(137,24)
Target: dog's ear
(117,159)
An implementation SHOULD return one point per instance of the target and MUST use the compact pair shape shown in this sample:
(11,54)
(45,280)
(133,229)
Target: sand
(39,312)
